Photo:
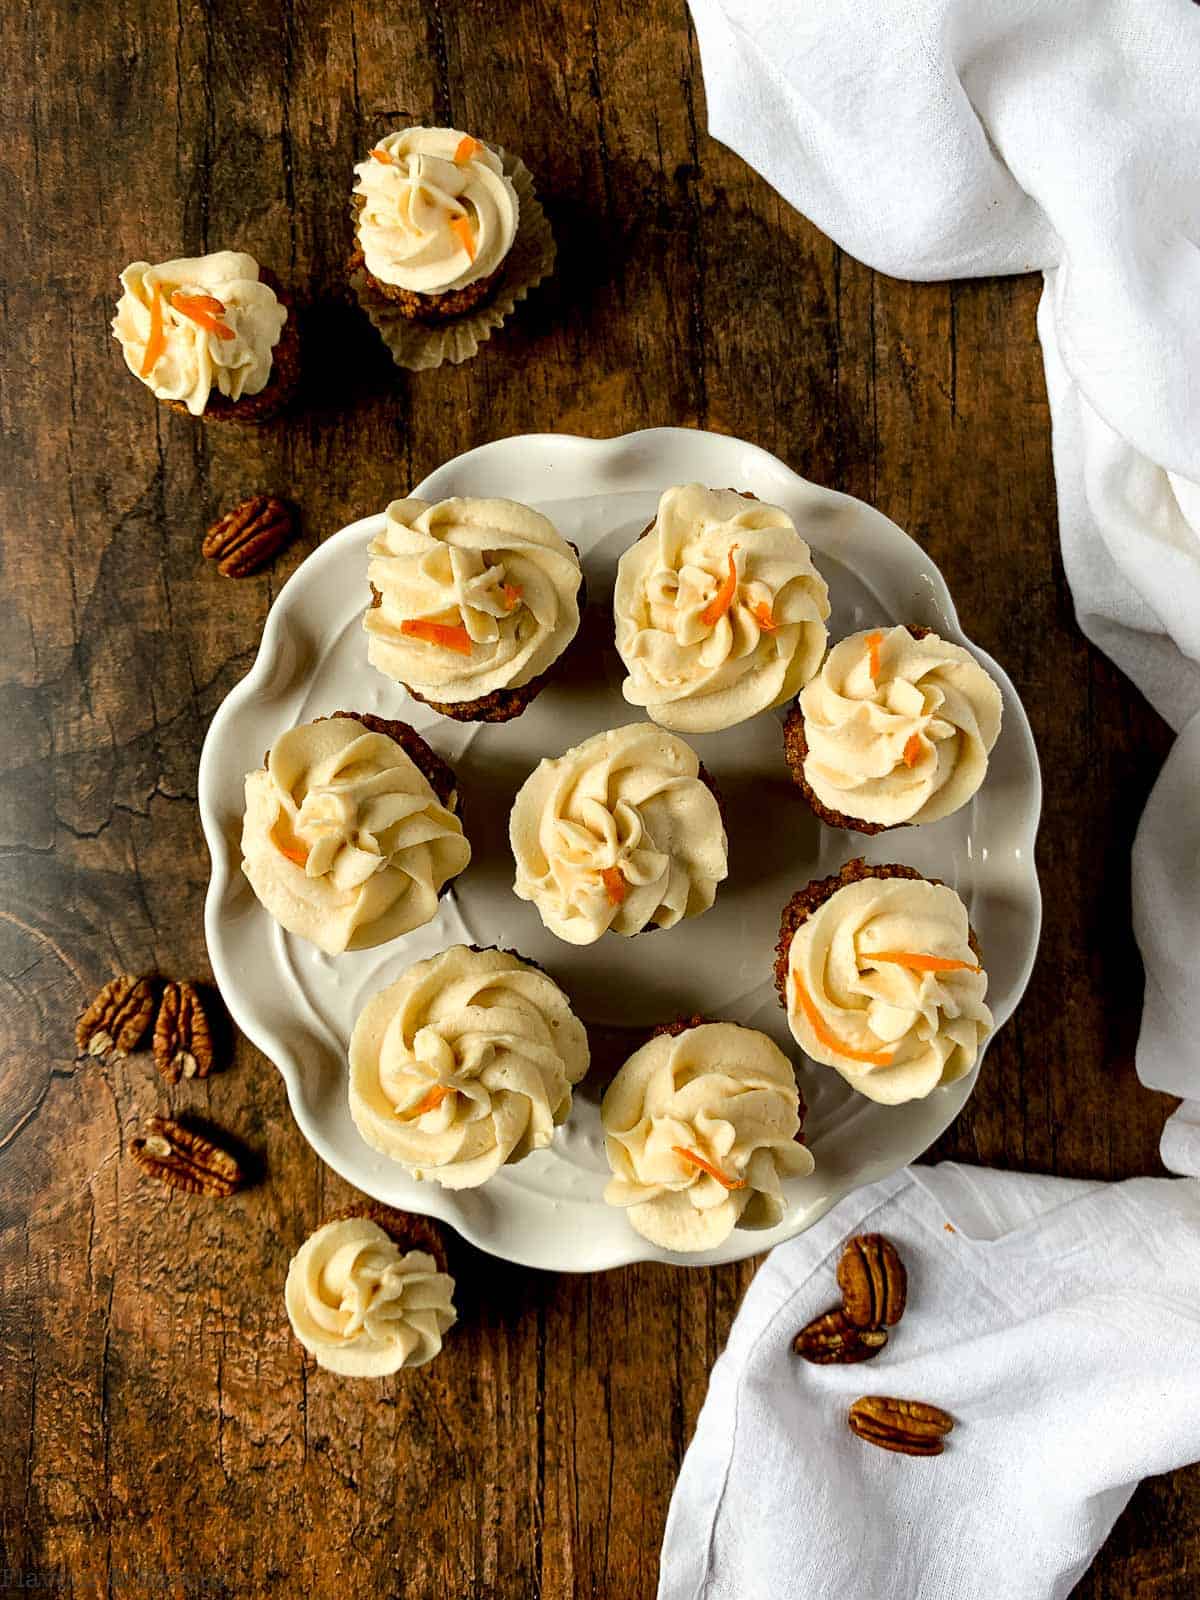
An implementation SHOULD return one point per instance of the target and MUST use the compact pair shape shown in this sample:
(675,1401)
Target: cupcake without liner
(211,336)
(895,729)
(473,603)
(351,831)
(882,979)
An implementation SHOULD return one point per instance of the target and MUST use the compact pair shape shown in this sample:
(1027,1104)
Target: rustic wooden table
(161,1432)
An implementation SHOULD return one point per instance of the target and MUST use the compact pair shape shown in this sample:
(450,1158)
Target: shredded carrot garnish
(615,885)
(467,147)
(446,635)
(294,852)
(762,615)
(385,156)
(512,592)
(724,597)
(876,1058)
(912,750)
(157,342)
(462,228)
(874,640)
(204,309)
(698,1160)
(429,1102)
(949,1227)
(920,963)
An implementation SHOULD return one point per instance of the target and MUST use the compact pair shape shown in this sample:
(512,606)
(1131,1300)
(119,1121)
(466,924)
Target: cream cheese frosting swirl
(474,596)
(463,1064)
(186,327)
(883,985)
(361,1307)
(720,613)
(898,729)
(437,213)
(344,840)
(620,832)
(700,1131)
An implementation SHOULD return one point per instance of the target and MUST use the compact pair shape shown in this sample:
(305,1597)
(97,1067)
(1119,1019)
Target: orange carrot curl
(462,228)
(724,597)
(762,615)
(385,156)
(912,750)
(204,309)
(920,963)
(512,592)
(876,1058)
(615,885)
(157,342)
(698,1160)
(429,1102)
(874,640)
(467,147)
(447,636)
(294,851)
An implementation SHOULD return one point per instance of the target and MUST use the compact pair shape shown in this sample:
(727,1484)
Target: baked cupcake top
(898,728)
(201,323)
(620,832)
(719,610)
(884,986)
(470,596)
(700,1129)
(465,1063)
(363,1308)
(344,840)
(437,211)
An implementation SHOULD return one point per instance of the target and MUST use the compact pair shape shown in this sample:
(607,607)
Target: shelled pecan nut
(910,1427)
(185,1159)
(873,1281)
(183,1045)
(832,1339)
(250,535)
(117,1018)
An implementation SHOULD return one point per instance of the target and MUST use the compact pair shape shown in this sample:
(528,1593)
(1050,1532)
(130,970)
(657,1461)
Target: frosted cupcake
(623,832)
(882,979)
(896,728)
(472,604)
(701,1128)
(350,832)
(720,613)
(209,335)
(464,1064)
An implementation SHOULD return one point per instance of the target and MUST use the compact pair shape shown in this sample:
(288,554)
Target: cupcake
(720,613)
(209,335)
(624,832)
(701,1127)
(466,1063)
(882,979)
(472,604)
(362,1306)
(350,831)
(436,219)
(896,728)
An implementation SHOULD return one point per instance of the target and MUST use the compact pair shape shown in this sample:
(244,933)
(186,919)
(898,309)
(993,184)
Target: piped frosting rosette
(701,1131)
(720,613)
(465,1063)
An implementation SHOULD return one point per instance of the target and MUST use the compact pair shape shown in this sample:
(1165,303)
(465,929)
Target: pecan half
(250,535)
(911,1427)
(185,1159)
(873,1281)
(183,1045)
(117,1018)
(833,1339)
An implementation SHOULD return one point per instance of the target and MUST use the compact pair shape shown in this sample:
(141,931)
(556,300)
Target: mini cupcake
(210,335)
(624,832)
(464,1064)
(350,831)
(472,604)
(720,613)
(701,1127)
(361,1305)
(881,976)
(896,728)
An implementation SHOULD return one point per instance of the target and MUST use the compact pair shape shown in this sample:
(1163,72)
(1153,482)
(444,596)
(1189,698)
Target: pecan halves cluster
(116,1021)
(909,1427)
(186,1160)
(832,1339)
(183,1046)
(251,535)
(119,1018)
(874,1289)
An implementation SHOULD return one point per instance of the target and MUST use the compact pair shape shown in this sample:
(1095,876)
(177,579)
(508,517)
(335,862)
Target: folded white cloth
(1059,1325)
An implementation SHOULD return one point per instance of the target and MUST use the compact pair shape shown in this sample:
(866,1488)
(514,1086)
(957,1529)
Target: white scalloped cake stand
(298,1005)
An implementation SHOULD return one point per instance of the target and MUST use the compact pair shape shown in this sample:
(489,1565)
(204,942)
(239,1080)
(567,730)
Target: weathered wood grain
(161,1431)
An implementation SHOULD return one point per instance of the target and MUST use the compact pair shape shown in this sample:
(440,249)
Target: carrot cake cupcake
(720,613)
(436,219)
(350,831)
(624,832)
(472,604)
(465,1063)
(881,976)
(701,1127)
(363,1307)
(896,728)
(210,335)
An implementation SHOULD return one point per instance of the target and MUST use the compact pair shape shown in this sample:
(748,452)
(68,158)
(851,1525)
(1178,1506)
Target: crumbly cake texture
(406,1229)
(795,749)
(283,383)
(807,900)
(438,773)
(426,307)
